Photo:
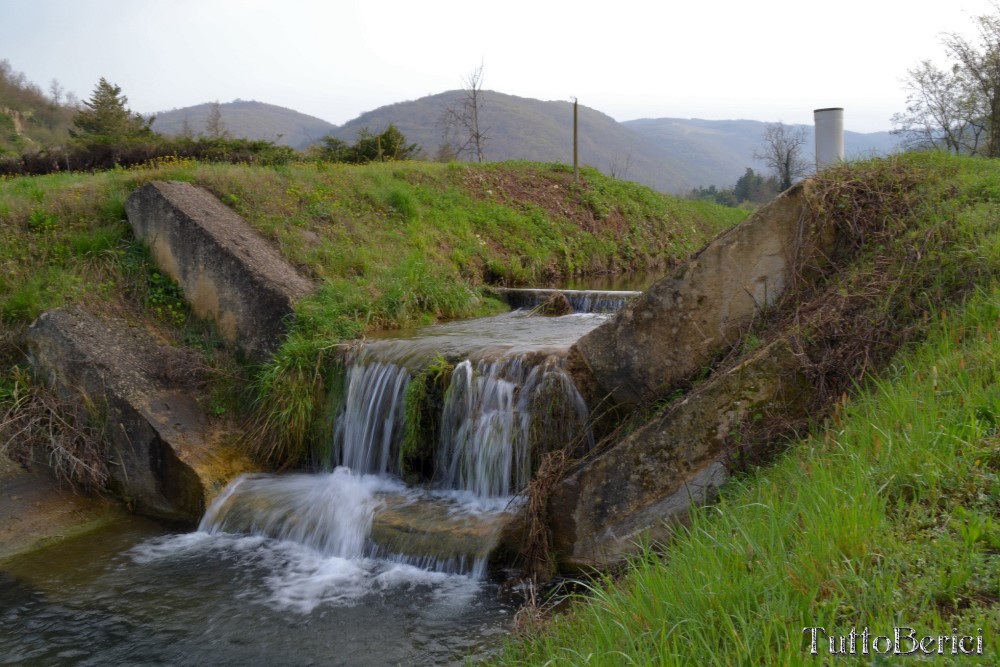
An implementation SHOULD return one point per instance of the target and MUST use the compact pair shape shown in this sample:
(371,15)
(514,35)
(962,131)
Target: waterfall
(331,513)
(492,411)
(371,422)
(581,301)
(497,408)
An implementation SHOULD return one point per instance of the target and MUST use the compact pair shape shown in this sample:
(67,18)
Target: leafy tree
(106,124)
(753,187)
(445,152)
(979,66)
(781,151)
(712,193)
(389,145)
(939,111)
(334,149)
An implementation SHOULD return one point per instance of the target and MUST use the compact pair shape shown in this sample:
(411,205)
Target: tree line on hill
(42,134)
(956,109)
(102,132)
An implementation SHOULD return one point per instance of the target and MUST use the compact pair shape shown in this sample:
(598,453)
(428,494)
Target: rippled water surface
(131,595)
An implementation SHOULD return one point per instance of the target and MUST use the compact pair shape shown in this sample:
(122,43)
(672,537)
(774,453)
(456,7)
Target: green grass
(388,245)
(887,514)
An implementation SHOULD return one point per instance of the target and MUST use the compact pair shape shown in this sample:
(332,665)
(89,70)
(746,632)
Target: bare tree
(621,165)
(781,151)
(214,127)
(186,131)
(939,112)
(462,119)
(56,92)
(957,109)
(979,66)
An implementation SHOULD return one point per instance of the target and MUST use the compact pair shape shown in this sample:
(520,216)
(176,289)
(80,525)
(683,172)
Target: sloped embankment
(884,515)
(848,268)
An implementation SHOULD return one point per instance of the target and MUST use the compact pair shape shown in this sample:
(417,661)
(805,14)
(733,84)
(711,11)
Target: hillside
(521,128)
(29,119)
(668,154)
(387,244)
(248,120)
(717,152)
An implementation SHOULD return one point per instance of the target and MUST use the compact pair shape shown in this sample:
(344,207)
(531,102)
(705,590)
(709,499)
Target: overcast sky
(764,60)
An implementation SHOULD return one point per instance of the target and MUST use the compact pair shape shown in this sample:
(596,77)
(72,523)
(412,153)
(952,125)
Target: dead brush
(538,563)
(35,422)
(872,292)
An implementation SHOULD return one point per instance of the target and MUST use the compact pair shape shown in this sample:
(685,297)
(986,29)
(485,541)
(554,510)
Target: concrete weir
(163,454)
(599,512)
(229,273)
(581,301)
(638,486)
(676,326)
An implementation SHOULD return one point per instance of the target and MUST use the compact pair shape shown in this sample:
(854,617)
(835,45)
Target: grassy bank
(885,516)
(387,244)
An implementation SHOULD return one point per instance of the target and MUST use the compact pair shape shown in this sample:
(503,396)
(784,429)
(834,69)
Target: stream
(346,565)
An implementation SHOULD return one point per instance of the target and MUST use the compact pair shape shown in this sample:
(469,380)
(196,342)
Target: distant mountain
(717,152)
(668,154)
(249,120)
(520,128)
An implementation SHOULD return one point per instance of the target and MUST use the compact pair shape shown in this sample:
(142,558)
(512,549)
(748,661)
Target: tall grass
(887,517)
(884,516)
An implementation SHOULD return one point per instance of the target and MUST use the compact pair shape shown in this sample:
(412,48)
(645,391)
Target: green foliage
(107,125)
(165,299)
(41,221)
(423,403)
(884,515)
(25,301)
(30,119)
(753,187)
(389,145)
(288,393)
(388,244)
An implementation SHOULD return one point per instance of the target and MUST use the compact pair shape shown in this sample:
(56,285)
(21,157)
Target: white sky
(764,60)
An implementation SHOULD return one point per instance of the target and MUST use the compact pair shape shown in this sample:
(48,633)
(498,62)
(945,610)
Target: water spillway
(378,556)
(581,301)
(436,431)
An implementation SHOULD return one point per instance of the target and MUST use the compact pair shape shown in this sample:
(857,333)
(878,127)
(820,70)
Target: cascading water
(506,404)
(495,416)
(347,565)
(371,420)
(581,301)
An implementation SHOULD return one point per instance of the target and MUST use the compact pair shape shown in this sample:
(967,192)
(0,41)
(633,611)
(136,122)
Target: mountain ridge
(669,154)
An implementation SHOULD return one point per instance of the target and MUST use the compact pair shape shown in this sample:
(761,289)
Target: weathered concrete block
(598,512)
(165,458)
(682,321)
(229,272)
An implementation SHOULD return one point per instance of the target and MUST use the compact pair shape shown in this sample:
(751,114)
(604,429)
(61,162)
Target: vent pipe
(829,136)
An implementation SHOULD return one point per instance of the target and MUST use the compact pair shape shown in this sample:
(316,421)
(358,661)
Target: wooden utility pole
(576,165)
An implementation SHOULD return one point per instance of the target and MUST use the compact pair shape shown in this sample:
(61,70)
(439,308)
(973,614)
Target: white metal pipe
(829,136)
